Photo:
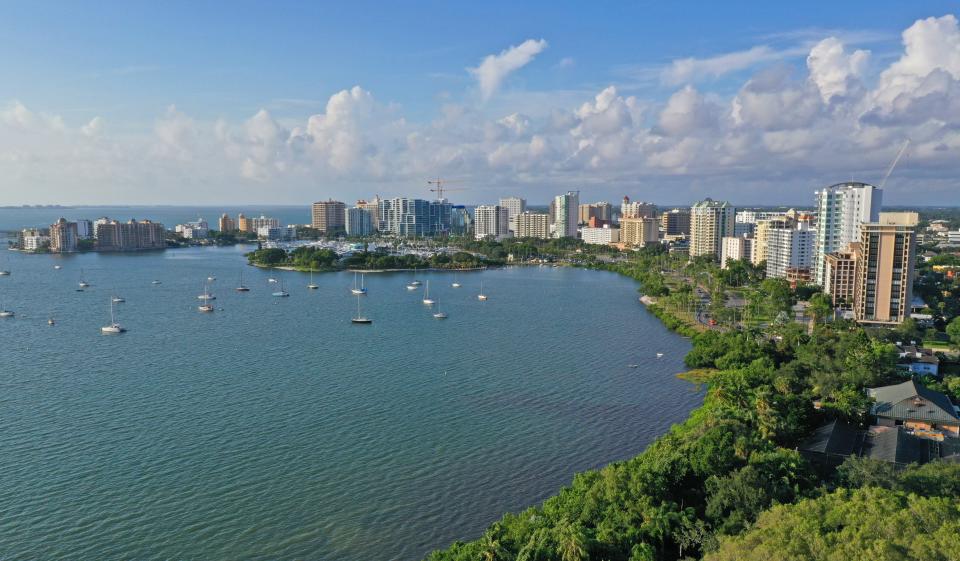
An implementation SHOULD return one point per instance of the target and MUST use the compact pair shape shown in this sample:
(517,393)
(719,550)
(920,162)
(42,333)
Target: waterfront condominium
(841,208)
(885,263)
(790,252)
(533,225)
(329,217)
(129,236)
(491,221)
(603,235)
(514,206)
(359,222)
(63,236)
(565,211)
(710,222)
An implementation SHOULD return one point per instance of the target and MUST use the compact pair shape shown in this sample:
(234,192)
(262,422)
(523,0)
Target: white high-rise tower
(841,209)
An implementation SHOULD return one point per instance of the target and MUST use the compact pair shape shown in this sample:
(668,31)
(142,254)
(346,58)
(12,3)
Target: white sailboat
(481,296)
(5,272)
(83,283)
(206,306)
(5,313)
(282,293)
(455,283)
(360,318)
(118,299)
(312,286)
(358,289)
(415,282)
(114,327)
(426,295)
(206,296)
(440,314)
(57,267)
(242,287)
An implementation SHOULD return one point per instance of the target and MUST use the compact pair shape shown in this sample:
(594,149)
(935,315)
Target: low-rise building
(917,360)
(600,236)
(925,412)
(831,444)
(277,233)
(33,239)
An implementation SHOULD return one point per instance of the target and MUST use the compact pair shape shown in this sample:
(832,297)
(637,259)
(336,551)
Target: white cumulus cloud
(495,68)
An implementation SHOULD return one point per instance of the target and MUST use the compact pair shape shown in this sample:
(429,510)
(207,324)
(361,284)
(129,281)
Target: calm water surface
(274,429)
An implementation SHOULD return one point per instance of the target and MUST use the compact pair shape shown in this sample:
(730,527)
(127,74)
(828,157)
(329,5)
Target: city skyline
(259,111)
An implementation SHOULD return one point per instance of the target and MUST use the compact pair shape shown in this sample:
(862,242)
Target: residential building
(839,280)
(133,235)
(601,213)
(277,233)
(736,248)
(515,206)
(461,222)
(227,224)
(440,212)
(884,284)
(243,223)
(359,222)
(328,217)
(405,217)
(566,214)
(196,230)
(532,225)
(63,236)
(836,441)
(762,231)
(675,222)
(600,236)
(254,224)
(373,207)
(33,239)
(741,229)
(917,360)
(754,216)
(710,222)
(491,221)
(790,252)
(639,231)
(84,229)
(928,413)
(841,208)
(953,238)
(637,209)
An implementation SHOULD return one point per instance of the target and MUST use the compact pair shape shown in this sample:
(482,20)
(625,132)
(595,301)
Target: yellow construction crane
(439,183)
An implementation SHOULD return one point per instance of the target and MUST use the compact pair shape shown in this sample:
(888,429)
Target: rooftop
(912,401)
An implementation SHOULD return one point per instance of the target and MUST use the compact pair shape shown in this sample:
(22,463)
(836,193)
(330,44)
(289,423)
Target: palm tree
(571,541)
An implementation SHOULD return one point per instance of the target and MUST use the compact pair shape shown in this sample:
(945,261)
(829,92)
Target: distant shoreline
(334,270)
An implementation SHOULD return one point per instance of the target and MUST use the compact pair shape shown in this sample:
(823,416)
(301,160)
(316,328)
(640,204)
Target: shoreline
(294,269)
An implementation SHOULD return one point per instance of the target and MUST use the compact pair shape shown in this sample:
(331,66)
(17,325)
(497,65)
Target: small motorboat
(119,299)
(633,366)
(6,313)
(57,267)
(51,322)
(659,355)
(155,282)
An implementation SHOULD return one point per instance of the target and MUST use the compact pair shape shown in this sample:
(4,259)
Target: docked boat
(360,318)
(426,295)
(114,327)
(358,289)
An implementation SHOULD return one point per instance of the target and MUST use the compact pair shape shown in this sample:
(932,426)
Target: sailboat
(415,282)
(57,267)
(242,287)
(206,307)
(312,286)
(118,299)
(5,313)
(359,318)
(455,283)
(282,293)
(50,321)
(83,283)
(358,290)
(114,326)
(439,314)
(211,278)
(481,296)
(426,295)
(154,282)
(4,272)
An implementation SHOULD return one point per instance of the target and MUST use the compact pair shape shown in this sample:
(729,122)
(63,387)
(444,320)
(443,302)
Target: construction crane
(894,163)
(440,186)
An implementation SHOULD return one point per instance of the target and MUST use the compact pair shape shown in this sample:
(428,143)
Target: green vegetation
(318,259)
(728,480)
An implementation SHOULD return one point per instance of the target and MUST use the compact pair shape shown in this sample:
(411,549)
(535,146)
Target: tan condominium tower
(329,216)
(887,255)
(532,225)
(710,222)
(639,231)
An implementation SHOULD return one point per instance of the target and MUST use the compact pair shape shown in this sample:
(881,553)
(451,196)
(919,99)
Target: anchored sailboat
(312,286)
(282,293)
(358,289)
(242,287)
(360,318)
(114,326)
(206,307)
(426,295)
(481,296)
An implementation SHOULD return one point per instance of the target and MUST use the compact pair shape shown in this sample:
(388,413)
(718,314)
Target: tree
(571,541)
(953,331)
(821,305)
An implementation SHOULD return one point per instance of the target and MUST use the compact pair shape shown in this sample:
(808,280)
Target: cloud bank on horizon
(786,129)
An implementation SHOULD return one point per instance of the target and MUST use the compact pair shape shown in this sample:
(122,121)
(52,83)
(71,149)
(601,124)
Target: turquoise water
(275,429)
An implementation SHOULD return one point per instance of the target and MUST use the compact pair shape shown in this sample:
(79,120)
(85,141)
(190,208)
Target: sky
(289,102)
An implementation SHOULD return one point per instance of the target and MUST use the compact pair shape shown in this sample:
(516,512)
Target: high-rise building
(532,225)
(676,222)
(839,277)
(129,236)
(440,212)
(736,248)
(491,221)
(710,222)
(243,223)
(226,224)
(373,207)
(328,217)
(604,235)
(461,222)
(761,235)
(600,213)
(565,214)
(637,209)
(405,217)
(841,208)
(887,255)
(639,231)
(33,239)
(256,223)
(84,229)
(359,222)
(514,206)
(790,251)
(63,236)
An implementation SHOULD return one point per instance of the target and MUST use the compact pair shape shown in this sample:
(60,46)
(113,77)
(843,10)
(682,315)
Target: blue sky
(154,102)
